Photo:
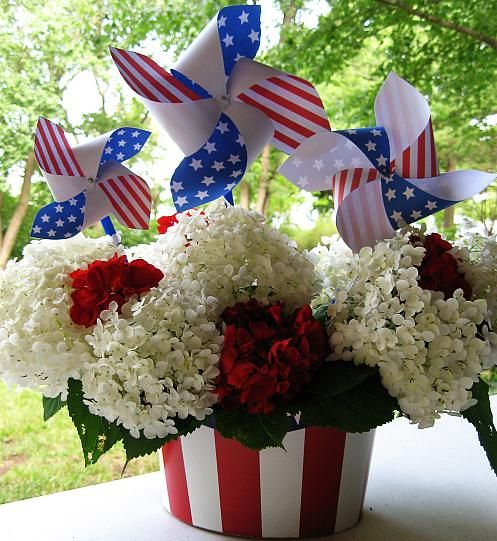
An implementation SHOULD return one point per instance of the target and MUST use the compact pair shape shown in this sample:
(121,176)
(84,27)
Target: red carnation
(266,358)
(438,270)
(103,282)
(165,222)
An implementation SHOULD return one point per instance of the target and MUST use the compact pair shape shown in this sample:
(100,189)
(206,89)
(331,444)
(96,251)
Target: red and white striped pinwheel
(88,181)
(383,176)
(221,107)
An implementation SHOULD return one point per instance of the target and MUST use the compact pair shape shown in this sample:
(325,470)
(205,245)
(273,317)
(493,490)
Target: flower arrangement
(222,322)
(214,321)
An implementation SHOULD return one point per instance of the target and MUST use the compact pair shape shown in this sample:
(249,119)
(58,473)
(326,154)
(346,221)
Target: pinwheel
(384,176)
(221,107)
(89,183)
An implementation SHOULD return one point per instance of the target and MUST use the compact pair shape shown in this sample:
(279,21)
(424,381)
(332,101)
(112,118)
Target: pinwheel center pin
(224,101)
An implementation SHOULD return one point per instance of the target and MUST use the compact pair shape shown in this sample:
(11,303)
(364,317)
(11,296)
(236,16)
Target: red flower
(438,270)
(266,359)
(165,222)
(103,282)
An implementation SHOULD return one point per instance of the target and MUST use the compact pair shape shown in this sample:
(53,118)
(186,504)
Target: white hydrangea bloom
(155,361)
(41,347)
(428,350)
(229,254)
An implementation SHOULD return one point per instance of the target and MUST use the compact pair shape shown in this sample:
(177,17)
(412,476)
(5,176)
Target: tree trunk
(10,237)
(263,191)
(449,212)
(245,195)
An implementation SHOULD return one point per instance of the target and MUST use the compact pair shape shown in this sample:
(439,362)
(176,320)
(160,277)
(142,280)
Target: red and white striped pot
(314,487)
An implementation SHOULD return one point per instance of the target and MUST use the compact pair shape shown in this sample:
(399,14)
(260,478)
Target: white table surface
(425,485)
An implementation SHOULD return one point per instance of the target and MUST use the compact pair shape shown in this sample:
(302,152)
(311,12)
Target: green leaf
(336,377)
(321,314)
(255,431)
(97,435)
(480,416)
(51,406)
(347,397)
(142,446)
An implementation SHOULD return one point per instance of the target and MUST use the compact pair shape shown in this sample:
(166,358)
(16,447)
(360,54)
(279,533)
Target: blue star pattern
(404,203)
(123,144)
(60,220)
(213,170)
(239,30)
(192,85)
(373,142)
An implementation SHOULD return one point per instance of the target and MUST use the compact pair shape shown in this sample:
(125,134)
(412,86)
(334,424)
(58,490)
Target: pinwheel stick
(110,230)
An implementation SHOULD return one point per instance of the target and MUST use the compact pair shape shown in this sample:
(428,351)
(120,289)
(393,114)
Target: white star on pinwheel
(202,195)
(67,235)
(303,182)
(375,132)
(409,192)
(181,201)
(236,174)
(381,160)
(221,22)
(318,164)
(120,132)
(121,143)
(240,140)
(137,146)
(431,205)
(230,186)
(238,57)
(73,202)
(208,181)
(51,233)
(36,229)
(176,186)
(234,158)
(210,147)
(59,208)
(222,127)
(108,150)
(397,216)
(218,166)
(339,163)
(59,223)
(196,164)
(228,40)
(120,156)
(371,146)
(254,36)
(390,194)
(351,132)
(71,219)
(243,17)
(416,214)
(135,134)
(297,161)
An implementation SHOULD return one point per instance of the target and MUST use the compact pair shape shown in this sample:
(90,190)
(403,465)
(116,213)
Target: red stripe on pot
(176,481)
(323,457)
(239,487)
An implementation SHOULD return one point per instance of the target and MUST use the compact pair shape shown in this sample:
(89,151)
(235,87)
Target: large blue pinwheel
(89,183)
(221,107)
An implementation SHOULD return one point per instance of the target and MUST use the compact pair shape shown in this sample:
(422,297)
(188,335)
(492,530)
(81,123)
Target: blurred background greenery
(54,62)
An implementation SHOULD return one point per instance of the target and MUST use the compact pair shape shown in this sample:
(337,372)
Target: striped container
(314,487)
